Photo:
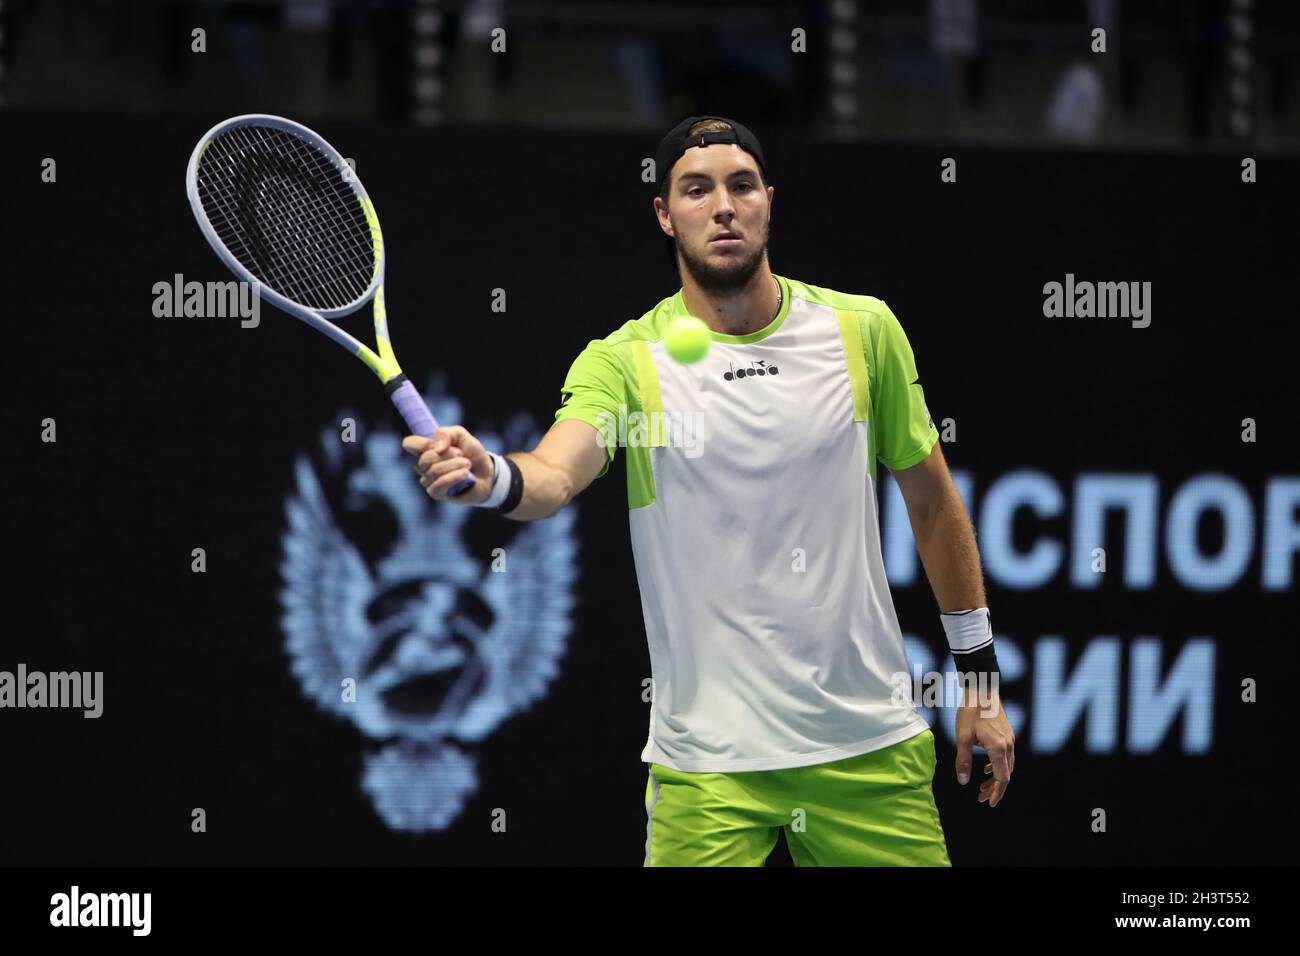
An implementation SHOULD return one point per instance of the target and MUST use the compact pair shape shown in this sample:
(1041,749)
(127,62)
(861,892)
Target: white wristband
(968,630)
(500,482)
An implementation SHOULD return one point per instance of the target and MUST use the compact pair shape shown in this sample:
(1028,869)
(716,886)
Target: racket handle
(421,422)
(414,411)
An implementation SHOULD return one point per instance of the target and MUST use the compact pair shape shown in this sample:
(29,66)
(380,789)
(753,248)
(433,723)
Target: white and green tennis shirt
(751,493)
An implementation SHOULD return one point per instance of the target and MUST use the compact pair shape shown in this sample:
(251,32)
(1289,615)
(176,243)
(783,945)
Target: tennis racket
(284,212)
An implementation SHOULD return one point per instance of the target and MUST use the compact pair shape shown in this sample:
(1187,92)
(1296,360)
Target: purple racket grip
(421,422)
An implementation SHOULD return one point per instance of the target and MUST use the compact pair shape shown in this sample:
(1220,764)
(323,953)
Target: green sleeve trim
(916,457)
(594,391)
(900,431)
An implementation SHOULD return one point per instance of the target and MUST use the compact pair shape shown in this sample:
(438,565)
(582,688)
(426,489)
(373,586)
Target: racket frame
(382,362)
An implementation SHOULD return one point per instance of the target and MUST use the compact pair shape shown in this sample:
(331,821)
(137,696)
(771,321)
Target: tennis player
(775,650)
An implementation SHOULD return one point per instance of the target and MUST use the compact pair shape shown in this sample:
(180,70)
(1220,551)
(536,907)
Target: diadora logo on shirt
(755,368)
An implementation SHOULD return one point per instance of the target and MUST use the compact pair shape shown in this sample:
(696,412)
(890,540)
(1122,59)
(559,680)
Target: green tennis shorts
(876,809)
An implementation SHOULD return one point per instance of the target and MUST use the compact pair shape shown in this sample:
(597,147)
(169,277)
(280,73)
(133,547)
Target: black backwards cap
(677,142)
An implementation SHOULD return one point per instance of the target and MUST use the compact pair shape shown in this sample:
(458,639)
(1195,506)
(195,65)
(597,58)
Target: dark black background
(181,433)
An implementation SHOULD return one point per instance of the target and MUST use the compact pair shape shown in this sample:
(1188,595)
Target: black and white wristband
(507,485)
(970,638)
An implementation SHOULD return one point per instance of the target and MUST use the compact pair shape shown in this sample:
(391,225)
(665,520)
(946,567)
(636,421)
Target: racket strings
(271,263)
(340,198)
(287,213)
(288,202)
(295,270)
(291,212)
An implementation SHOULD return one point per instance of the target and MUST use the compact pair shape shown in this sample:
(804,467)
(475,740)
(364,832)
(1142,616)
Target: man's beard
(728,277)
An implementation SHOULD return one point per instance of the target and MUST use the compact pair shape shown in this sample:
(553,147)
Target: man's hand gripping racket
(443,461)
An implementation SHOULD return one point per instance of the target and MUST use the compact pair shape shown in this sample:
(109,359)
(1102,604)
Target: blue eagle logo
(424,646)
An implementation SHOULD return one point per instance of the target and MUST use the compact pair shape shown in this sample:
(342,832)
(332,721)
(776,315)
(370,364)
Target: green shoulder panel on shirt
(614,377)
(900,431)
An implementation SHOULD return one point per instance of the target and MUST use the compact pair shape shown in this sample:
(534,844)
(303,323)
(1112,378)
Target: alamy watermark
(75,909)
(1101,300)
(36,689)
(208,300)
(676,429)
(946,690)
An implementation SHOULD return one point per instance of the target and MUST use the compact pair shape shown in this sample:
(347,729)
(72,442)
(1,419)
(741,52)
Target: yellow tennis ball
(688,339)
